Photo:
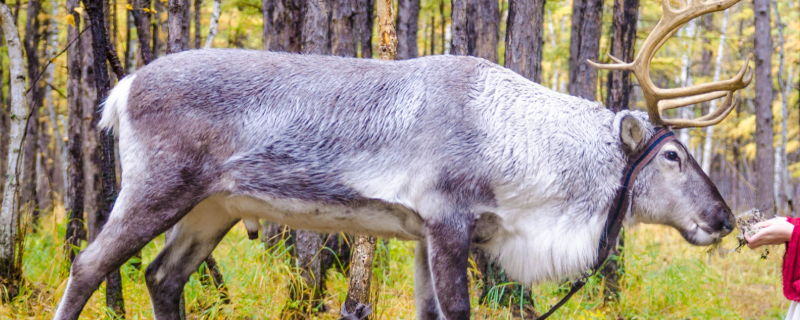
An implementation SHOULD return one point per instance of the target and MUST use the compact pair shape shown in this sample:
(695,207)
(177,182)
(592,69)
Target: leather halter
(619,206)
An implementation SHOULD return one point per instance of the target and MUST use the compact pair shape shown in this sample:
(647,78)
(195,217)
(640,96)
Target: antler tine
(618,65)
(682,102)
(741,80)
(708,120)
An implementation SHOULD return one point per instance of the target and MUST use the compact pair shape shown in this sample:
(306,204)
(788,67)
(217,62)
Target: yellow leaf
(79,10)
(71,20)
(129,7)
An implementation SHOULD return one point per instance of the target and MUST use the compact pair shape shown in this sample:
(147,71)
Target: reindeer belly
(365,217)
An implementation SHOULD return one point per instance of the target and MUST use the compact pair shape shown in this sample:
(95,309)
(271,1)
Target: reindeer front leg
(447,241)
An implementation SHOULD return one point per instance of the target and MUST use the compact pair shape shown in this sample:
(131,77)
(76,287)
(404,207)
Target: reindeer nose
(726,224)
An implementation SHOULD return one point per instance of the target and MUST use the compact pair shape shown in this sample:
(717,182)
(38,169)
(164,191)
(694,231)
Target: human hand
(773,231)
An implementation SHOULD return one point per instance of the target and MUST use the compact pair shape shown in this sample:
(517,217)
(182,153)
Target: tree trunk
(10,244)
(60,156)
(407,20)
(587,16)
(709,139)
(364,22)
(765,162)
(315,27)
(344,40)
(157,23)
(91,151)
(142,20)
(458,27)
(94,10)
(626,14)
(198,5)
(214,24)
(525,38)
(177,14)
(686,79)
(75,226)
(5,127)
(29,199)
(783,190)
(130,44)
(483,29)
(363,251)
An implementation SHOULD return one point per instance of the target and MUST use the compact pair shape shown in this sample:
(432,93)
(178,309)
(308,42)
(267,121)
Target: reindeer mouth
(700,236)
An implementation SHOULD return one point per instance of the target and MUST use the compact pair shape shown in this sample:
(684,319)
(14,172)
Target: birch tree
(708,145)
(214,24)
(10,245)
(685,80)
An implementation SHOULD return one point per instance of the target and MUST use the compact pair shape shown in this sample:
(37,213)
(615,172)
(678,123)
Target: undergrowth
(664,278)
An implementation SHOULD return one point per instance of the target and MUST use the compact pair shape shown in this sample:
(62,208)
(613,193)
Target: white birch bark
(709,143)
(212,31)
(781,181)
(686,78)
(9,214)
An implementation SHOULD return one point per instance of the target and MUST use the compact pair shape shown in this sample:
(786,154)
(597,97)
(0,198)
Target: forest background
(58,173)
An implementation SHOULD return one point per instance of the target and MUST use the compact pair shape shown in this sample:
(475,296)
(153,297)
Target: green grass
(664,278)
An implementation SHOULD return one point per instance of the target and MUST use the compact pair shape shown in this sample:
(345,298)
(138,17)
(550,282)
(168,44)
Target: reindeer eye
(672,155)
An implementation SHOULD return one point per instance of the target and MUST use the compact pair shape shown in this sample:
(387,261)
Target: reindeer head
(672,189)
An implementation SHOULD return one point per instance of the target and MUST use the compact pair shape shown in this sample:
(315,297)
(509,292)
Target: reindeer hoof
(361,312)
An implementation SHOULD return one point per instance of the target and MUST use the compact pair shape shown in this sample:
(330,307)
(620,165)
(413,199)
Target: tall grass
(664,278)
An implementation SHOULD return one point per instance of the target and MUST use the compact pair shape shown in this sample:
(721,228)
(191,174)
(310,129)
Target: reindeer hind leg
(188,244)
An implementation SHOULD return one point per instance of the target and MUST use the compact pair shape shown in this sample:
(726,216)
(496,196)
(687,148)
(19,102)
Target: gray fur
(446,150)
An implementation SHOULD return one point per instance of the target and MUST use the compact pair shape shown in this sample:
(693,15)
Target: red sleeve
(791,264)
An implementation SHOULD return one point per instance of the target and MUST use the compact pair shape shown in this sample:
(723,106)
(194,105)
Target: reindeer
(449,151)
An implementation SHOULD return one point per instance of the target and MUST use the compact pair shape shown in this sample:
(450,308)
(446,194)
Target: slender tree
(31,141)
(765,162)
(214,24)
(307,244)
(626,13)
(407,20)
(94,10)
(587,18)
(783,190)
(177,14)
(358,294)
(458,27)
(75,226)
(141,18)
(10,244)
(344,39)
(198,4)
(708,145)
(364,26)
(525,38)
(483,28)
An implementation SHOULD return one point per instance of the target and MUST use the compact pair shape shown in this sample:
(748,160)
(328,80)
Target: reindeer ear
(631,132)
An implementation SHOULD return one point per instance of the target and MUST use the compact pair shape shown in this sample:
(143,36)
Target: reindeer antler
(659,99)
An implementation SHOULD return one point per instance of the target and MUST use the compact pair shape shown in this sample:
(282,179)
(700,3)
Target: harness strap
(619,206)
